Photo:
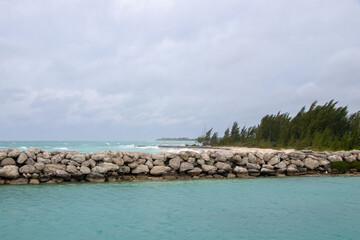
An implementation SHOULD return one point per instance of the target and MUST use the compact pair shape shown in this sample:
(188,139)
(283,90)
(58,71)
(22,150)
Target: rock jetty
(39,166)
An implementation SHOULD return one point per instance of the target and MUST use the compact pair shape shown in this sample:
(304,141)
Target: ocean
(259,208)
(95,146)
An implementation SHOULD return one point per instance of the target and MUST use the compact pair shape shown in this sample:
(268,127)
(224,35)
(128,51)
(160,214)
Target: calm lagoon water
(261,208)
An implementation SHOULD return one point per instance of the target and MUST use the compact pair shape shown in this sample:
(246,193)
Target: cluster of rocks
(39,166)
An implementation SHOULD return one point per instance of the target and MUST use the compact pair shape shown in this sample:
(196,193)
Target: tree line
(321,127)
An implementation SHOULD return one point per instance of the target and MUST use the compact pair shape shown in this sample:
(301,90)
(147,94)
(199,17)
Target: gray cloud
(144,69)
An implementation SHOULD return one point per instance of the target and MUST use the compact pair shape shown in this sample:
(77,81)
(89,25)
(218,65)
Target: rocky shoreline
(39,166)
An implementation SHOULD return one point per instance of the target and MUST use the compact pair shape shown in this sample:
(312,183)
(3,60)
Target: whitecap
(126,146)
(107,144)
(61,148)
(147,147)
(177,150)
(23,147)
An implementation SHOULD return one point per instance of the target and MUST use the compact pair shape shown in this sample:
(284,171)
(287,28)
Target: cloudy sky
(131,70)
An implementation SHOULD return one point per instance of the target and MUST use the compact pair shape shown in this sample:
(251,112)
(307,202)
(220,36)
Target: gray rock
(350,158)
(8,161)
(175,163)
(14,153)
(22,158)
(51,168)
(191,160)
(118,161)
(30,161)
(39,166)
(34,150)
(253,166)
(200,161)
(18,181)
(150,164)
(98,156)
(185,166)
(46,155)
(43,160)
(223,166)
(158,162)
(3,155)
(183,155)
(109,166)
(299,163)
(159,170)
(28,169)
(10,172)
(220,158)
(78,158)
(267,166)
(335,158)
(243,161)
(85,170)
(281,165)
(274,160)
(62,174)
(205,156)
(311,163)
(252,158)
(240,170)
(324,162)
(194,172)
(140,169)
(253,172)
(72,169)
(209,169)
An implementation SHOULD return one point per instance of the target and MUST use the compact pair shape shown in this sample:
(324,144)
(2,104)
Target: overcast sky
(134,70)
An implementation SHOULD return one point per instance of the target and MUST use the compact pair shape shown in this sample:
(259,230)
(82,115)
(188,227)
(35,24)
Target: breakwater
(39,166)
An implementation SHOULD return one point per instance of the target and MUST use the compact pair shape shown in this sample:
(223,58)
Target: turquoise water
(95,146)
(261,208)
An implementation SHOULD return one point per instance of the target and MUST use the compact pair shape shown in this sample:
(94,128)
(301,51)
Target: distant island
(176,139)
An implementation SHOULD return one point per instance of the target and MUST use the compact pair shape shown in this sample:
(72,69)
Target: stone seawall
(39,166)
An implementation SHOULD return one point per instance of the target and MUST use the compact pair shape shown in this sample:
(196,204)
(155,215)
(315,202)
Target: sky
(140,70)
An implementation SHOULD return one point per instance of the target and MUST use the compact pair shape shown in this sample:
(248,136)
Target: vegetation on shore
(325,127)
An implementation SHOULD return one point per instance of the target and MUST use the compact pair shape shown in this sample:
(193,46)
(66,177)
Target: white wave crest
(147,147)
(126,146)
(61,148)
(22,147)
(177,150)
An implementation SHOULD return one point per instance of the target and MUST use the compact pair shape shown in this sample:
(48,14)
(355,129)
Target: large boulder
(28,169)
(62,174)
(51,168)
(159,170)
(56,159)
(311,163)
(209,169)
(10,171)
(8,161)
(14,153)
(253,166)
(274,160)
(185,166)
(34,150)
(140,169)
(335,158)
(79,158)
(175,163)
(22,158)
(194,172)
(85,170)
(109,166)
(3,155)
(39,166)
(240,170)
(223,166)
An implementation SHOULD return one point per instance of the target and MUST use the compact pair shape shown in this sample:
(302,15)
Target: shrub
(355,165)
(340,166)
